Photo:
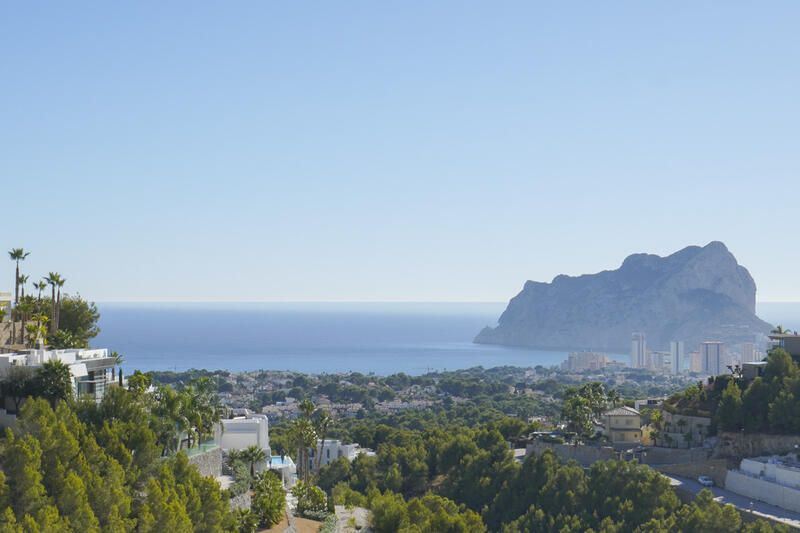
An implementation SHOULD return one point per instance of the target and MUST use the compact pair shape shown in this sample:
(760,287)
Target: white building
(580,361)
(712,357)
(676,352)
(334,449)
(657,361)
(90,369)
(774,480)
(245,429)
(638,350)
(748,353)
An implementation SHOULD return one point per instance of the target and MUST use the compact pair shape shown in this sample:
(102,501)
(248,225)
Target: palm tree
(25,308)
(40,286)
(780,330)
(613,397)
(323,421)
(60,283)
(54,280)
(118,360)
(23,279)
(303,434)
(16,254)
(253,454)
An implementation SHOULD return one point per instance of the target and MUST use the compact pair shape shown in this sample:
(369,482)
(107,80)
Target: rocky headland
(693,295)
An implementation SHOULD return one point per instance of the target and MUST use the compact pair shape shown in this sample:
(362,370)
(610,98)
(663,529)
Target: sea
(379,338)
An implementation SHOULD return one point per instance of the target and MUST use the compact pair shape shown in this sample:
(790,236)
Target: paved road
(741,502)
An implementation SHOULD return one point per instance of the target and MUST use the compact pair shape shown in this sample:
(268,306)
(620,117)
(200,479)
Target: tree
(25,308)
(577,411)
(53,279)
(78,317)
(23,279)
(37,331)
(310,499)
(54,381)
(40,286)
(269,500)
(18,384)
(321,428)
(16,255)
(780,330)
(614,398)
(729,411)
(389,512)
(253,455)
(118,360)
(246,520)
(779,365)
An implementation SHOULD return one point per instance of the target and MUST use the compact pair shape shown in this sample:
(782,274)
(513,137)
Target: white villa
(334,449)
(245,429)
(90,369)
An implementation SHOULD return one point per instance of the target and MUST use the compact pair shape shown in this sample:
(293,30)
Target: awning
(78,370)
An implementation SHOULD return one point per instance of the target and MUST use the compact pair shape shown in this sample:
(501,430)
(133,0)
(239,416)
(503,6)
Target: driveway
(743,503)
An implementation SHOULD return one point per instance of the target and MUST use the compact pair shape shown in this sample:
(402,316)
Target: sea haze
(324,337)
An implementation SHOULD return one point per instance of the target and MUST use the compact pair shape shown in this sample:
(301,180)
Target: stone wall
(585,455)
(209,463)
(762,490)
(660,456)
(738,445)
(5,331)
(716,469)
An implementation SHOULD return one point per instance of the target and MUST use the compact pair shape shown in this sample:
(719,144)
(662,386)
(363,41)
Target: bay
(382,338)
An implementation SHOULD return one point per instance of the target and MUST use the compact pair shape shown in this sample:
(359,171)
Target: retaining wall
(209,463)
(762,490)
(716,469)
(585,455)
(740,445)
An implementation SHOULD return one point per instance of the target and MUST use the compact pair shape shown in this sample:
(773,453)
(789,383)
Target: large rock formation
(693,295)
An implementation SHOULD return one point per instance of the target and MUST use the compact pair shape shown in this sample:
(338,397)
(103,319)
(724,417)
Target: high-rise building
(712,357)
(748,352)
(695,362)
(676,357)
(638,350)
(657,361)
(581,361)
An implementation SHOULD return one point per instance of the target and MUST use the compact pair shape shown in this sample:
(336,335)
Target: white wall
(239,433)
(762,490)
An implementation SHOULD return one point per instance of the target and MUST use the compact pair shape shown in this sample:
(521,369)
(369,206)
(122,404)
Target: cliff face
(693,295)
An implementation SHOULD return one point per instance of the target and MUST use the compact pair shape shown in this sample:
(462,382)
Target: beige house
(623,425)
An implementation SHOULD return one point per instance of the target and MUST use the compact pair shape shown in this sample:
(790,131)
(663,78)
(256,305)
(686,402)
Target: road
(743,503)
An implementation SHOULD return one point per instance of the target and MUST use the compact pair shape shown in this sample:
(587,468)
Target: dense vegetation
(437,472)
(63,470)
(768,404)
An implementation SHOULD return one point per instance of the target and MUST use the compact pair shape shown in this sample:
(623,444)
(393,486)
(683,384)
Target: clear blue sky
(393,150)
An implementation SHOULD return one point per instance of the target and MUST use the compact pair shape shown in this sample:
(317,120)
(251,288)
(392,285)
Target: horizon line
(321,301)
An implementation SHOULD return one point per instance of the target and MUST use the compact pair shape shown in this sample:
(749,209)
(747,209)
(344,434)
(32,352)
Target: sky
(380,151)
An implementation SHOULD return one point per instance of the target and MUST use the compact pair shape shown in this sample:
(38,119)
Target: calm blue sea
(323,337)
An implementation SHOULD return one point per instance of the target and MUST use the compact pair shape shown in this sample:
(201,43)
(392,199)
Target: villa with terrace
(90,370)
(244,429)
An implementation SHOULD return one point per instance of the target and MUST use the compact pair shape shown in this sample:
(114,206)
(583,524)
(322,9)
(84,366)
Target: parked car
(705,481)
